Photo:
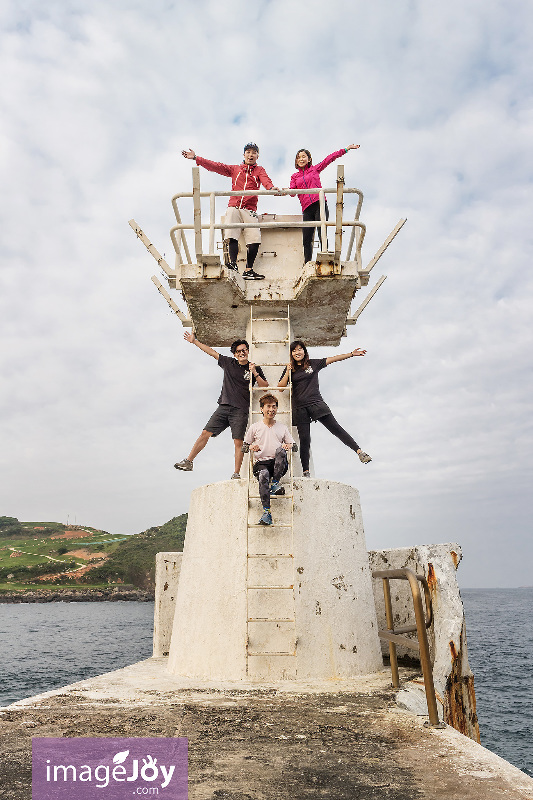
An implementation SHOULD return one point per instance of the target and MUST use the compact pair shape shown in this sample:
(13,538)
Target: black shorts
(307,414)
(228,417)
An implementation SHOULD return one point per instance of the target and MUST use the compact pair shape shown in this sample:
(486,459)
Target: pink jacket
(242,177)
(310,177)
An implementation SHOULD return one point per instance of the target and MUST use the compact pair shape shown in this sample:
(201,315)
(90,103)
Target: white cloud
(101,395)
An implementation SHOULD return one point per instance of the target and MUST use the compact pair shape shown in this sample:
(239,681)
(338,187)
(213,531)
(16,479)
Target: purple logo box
(109,769)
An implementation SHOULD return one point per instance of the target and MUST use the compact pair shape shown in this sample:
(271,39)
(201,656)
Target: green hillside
(41,555)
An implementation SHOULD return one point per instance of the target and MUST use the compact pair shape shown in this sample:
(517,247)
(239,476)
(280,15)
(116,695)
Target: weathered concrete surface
(319,299)
(300,602)
(454,681)
(266,743)
(167,574)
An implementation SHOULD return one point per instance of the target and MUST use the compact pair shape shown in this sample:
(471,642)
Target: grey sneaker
(307,473)
(266,519)
(364,458)
(236,476)
(185,465)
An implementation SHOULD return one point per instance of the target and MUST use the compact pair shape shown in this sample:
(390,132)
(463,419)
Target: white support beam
(353,319)
(187,323)
(384,246)
(151,249)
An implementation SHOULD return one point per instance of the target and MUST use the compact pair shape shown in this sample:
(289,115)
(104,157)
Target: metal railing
(422,645)
(177,232)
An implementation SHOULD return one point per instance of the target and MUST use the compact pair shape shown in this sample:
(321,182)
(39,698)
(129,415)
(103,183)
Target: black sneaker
(233,265)
(250,275)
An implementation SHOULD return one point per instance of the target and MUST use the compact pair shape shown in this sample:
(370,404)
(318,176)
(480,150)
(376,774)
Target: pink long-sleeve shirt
(309,177)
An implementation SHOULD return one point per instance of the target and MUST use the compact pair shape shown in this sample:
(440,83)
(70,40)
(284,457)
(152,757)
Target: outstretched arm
(191,338)
(283,381)
(356,352)
(332,156)
(188,153)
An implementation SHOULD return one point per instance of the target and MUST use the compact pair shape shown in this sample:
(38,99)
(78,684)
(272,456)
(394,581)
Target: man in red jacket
(246,176)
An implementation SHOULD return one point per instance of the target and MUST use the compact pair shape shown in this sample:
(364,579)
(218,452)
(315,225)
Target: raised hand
(353,146)
(190,153)
(358,352)
(189,337)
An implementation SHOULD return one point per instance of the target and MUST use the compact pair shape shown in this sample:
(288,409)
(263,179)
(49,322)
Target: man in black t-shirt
(233,403)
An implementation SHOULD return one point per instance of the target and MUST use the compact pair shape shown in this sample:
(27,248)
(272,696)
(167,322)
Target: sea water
(46,646)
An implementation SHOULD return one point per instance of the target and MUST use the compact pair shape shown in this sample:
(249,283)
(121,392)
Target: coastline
(78,596)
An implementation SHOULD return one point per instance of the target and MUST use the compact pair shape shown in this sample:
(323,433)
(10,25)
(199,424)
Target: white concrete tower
(291,601)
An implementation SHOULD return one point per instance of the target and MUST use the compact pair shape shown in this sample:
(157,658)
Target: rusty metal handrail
(422,645)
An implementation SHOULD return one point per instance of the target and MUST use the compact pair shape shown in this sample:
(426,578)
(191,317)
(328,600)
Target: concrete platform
(260,742)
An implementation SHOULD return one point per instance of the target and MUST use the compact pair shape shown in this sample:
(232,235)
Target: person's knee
(205,435)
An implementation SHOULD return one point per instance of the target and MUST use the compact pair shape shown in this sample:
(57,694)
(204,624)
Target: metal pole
(211,224)
(425,660)
(338,215)
(183,239)
(390,627)
(197,213)
(385,244)
(366,301)
(322,201)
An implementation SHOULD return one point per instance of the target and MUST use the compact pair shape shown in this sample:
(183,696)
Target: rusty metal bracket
(422,623)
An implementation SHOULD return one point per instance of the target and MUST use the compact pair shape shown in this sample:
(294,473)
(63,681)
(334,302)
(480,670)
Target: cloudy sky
(100,394)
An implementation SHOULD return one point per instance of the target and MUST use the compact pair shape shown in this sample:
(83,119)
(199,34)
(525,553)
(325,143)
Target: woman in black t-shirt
(307,403)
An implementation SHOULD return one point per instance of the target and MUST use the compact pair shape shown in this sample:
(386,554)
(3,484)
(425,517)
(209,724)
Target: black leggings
(312,212)
(329,422)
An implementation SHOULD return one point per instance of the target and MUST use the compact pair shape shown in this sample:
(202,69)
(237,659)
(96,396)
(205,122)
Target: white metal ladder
(271,625)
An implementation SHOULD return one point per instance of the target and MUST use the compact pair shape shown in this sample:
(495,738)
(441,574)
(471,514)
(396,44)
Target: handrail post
(425,660)
(323,231)
(211,224)
(390,627)
(197,208)
(338,215)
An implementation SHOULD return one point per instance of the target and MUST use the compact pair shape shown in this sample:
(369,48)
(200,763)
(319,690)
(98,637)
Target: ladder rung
(274,525)
(269,388)
(279,412)
(275,364)
(270,341)
(277,496)
(270,653)
(270,319)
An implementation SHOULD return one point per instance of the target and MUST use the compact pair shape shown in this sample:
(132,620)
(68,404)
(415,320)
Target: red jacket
(242,177)
(309,177)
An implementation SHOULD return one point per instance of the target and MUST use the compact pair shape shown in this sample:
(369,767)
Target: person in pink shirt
(269,441)
(308,176)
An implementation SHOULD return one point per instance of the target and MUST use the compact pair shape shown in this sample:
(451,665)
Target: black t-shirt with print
(236,383)
(305,389)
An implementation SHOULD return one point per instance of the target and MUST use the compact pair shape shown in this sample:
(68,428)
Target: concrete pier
(289,741)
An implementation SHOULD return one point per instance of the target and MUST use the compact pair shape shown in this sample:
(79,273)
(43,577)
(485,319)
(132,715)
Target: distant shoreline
(77,596)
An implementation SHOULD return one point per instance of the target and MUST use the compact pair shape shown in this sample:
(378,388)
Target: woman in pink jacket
(308,176)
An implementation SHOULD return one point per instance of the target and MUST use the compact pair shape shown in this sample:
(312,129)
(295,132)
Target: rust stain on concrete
(460,698)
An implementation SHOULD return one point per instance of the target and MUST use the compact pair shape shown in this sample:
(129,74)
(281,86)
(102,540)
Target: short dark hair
(236,344)
(302,150)
(305,363)
(251,146)
(267,398)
